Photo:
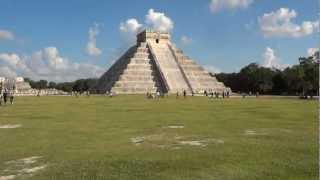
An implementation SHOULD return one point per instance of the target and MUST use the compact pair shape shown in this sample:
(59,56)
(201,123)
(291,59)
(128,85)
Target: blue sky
(222,35)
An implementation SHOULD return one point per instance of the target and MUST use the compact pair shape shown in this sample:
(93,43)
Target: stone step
(142,50)
(143,44)
(140,61)
(201,78)
(197,73)
(136,72)
(134,84)
(141,55)
(133,90)
(136,78)
(192,68)
(139,67)
(187,62)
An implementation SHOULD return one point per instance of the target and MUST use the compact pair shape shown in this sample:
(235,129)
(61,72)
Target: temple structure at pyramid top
(154,64)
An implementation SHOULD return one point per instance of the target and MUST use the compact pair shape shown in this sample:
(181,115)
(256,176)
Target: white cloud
(53,58)
(12,60)
(185,40)
(6,35)
(46,64)
(130,26)
(159,21)
(312,51)
(279,24)
(7,72)
(212,69)
(270,60)
(156,20)
(130,29)
(218,5)
(91,48)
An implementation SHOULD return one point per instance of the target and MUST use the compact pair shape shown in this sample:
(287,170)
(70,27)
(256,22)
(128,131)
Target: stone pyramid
(155,64)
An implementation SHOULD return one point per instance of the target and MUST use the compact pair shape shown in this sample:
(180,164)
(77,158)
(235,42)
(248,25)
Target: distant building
(2,79)
(22,88)
(17,84)
(21,85)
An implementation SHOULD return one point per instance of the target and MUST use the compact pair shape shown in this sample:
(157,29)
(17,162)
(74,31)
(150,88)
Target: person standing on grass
(11,96)
(184,93)
(1,97)
(5,96)
(217,95)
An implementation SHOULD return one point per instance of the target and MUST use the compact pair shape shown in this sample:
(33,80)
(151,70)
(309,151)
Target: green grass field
(130,137)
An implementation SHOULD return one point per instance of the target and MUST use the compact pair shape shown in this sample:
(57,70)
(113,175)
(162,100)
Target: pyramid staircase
(133,73)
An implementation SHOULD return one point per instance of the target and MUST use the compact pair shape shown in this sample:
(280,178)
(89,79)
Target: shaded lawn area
(94,138)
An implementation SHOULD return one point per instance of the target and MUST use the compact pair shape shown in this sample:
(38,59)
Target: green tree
(43,84)
(52,85)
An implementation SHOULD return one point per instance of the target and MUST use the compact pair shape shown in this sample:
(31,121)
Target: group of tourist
(5,96)
(244,95)
(78,93)
(184,93)
(110,93)
(157,95)
(211,94)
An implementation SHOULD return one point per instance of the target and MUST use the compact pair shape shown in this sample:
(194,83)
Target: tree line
(80,85)
(301,79)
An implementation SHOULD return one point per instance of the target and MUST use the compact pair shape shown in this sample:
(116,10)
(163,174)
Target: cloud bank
(279,24)
(219,5)
(46,64)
